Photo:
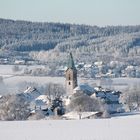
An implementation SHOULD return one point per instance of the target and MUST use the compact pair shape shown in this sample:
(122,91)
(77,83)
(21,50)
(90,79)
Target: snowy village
(69,70)
(74,101)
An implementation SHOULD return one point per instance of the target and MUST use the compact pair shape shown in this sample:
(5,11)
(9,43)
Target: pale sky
(91,12)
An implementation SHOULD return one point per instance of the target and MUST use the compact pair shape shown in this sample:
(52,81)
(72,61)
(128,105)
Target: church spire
(71,64)
(71,75)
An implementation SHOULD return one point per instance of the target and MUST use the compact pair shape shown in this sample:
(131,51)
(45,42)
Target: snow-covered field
(13,80)
(117,128)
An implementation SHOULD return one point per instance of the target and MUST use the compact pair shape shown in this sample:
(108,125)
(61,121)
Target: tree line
(82,40)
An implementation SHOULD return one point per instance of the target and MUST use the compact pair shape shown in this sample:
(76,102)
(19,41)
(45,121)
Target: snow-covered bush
(82,102)
(37,115)
(14,107)
(105,114)
(131,99)
(15,68)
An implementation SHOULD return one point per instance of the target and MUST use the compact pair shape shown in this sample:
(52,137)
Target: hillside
(45,41)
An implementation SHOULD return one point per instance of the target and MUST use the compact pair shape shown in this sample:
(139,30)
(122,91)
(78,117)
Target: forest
(50,42)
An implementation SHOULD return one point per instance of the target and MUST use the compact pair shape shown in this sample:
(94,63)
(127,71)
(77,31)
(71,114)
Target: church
(72,85)
(71,75)
(110,97)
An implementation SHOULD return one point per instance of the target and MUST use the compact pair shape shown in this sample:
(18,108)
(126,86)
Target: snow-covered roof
(29,90)
(131,68)
(66,101)
(87,65)
(43,98)
(75,115)
(98,63)
(31,93)
(98,88)
(84,87)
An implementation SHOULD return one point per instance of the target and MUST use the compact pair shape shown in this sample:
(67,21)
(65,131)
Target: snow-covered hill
(117,128)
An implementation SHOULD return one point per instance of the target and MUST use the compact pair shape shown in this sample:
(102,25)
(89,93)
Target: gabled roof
(85,88)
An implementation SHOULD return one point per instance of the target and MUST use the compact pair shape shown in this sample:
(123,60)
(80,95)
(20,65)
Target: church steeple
(71,62)
(71,75)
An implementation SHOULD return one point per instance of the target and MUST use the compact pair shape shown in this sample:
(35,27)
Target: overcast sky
(91,12)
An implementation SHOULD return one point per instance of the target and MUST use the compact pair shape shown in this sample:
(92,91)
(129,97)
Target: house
(19,62)
(98,63)
(4,61)
(81,115)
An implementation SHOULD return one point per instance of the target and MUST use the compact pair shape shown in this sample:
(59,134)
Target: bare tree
(82,102)
(14,107)
(55,90)
(131,98)
(16,68)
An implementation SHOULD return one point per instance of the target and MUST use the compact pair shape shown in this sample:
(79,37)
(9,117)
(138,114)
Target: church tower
(71,75)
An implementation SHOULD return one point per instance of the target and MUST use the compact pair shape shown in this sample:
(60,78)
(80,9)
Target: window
(69,83)
(69,77)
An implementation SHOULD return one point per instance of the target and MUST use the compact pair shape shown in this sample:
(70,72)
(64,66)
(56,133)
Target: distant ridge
(19,36)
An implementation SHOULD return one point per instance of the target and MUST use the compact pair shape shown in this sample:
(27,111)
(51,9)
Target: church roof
(84,87)
(71,64)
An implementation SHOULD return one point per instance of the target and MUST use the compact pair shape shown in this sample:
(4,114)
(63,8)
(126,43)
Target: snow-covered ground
(117,128)
(13,80)
(8,69)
